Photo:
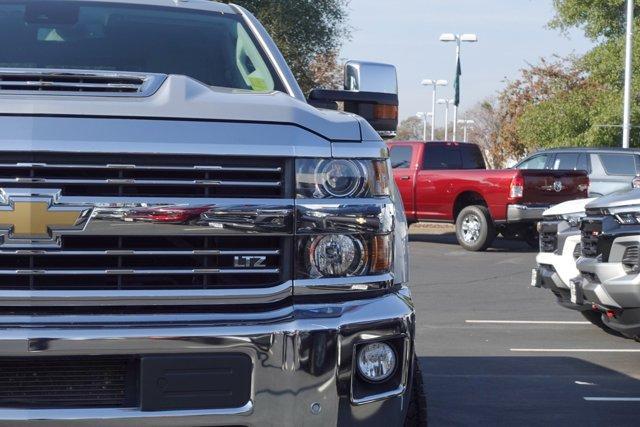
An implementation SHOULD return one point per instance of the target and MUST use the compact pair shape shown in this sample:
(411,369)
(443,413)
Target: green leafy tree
(308,32)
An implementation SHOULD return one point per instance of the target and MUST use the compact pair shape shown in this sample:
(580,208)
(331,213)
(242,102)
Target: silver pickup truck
(185,240)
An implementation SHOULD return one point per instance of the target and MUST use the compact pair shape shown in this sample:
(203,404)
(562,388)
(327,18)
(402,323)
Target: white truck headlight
(341,178)
(376,361)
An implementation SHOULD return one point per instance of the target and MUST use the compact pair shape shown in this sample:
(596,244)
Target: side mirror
(370,91)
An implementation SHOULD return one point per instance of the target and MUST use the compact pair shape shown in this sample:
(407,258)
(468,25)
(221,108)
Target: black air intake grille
(34,81)
(548,242)
(144,176)
(591,231)
(69,382)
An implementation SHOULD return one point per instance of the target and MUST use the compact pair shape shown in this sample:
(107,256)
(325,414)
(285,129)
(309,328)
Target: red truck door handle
(404,178)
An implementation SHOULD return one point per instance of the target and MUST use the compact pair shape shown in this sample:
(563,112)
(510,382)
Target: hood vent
(70,82)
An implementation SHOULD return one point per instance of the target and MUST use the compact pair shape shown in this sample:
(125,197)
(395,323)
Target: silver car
(610,169)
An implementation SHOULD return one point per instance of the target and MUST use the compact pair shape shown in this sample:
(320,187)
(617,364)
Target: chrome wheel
(471,226)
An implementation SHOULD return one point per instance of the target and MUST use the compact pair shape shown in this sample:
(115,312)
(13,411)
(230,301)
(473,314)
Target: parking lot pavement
(485,364)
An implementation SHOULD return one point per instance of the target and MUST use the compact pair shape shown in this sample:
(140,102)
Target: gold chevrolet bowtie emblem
(36,220)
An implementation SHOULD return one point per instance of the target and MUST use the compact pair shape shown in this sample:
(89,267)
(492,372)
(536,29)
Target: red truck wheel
(474,228)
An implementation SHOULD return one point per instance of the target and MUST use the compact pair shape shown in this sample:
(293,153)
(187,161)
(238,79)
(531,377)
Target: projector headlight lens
(341,178)
(337,255)
(376,361)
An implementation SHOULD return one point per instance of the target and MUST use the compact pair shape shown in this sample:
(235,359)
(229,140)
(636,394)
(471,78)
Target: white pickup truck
(185,240)
(560,248)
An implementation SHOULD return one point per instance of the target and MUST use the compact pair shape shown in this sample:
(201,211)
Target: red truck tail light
(516,191)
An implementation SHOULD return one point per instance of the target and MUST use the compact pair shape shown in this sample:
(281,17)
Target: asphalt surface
(480,373)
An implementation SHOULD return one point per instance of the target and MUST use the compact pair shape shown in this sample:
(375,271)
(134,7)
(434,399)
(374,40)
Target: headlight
(376,361)
(573,219)
(627,218)
(343,255)
(341,178)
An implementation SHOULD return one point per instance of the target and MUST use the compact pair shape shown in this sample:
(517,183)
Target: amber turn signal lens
(381,254)
(385,112)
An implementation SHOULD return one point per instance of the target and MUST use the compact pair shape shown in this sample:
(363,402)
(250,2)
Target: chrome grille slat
(134,252)
(139,167)
(130,272)
(273,184)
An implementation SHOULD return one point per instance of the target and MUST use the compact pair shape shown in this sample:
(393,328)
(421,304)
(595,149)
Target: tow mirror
(370,91)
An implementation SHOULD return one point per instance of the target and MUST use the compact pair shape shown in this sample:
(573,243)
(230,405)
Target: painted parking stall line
(611,399)
(574,350)
(528,322)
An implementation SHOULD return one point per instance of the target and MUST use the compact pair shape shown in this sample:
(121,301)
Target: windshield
(211,47)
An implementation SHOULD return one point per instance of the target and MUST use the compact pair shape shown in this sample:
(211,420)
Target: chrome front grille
(143,176)
(152,262)
(130,230)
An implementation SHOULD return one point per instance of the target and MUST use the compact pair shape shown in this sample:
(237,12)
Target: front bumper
(302,362)
(608,287)
(525,213)
(556,270)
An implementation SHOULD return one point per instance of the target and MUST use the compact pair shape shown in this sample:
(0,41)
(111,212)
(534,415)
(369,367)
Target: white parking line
(612,399)
(530,322)
(574,350)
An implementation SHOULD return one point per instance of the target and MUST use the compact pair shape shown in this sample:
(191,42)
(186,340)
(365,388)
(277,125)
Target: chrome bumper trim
(517,213)
(146,297)
(299,360)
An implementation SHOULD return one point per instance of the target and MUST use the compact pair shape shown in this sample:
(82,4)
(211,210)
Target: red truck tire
(475,230)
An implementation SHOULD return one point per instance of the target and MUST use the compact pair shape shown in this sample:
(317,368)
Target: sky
(405,33)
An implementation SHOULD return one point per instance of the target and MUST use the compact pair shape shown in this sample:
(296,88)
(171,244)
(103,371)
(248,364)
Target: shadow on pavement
(499,244)
(526,391)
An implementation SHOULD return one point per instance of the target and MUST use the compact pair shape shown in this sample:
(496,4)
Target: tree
(486,129)
(598,18)
(538,84)
(309,33)
(410,129)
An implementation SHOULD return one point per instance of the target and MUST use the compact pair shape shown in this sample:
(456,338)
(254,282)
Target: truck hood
(570,207)
(184,98)
(615,200)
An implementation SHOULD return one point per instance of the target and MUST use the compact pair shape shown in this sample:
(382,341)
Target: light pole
(423,116)
(446,103)
(434,84)
(458,38)
(466,123)
(626,122)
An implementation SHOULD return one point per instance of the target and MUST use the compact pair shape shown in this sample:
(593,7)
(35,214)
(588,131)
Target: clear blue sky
(405,33)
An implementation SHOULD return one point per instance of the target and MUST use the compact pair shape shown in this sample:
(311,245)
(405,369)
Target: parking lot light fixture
(434,85)
(446,103)
(458,39)
(424,116)
(466,123)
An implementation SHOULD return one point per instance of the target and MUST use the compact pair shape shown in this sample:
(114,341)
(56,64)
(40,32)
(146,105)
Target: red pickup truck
(449,182)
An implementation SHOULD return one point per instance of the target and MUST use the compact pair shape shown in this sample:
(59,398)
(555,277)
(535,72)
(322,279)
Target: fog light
(376,361)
